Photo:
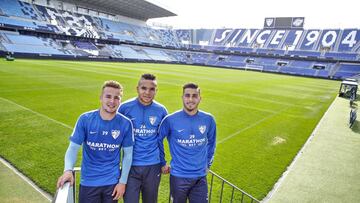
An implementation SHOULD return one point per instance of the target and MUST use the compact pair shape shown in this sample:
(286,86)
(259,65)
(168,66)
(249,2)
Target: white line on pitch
(26,179)
(39,114)
(248,127)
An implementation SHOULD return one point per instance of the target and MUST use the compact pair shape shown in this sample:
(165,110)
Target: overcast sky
(251,13)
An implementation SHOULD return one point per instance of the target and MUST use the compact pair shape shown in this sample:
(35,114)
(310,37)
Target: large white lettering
(328,43)
(278,36)
(298,34)
(260,39)
(350,39)
(248,36)
(223,35)
(311,37)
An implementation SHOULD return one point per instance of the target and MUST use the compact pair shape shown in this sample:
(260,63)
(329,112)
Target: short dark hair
(191,86)
(148,76)
(113,84)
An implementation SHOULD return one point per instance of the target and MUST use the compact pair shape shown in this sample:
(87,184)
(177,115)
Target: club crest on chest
(202,128)
(152,119)
(115,133)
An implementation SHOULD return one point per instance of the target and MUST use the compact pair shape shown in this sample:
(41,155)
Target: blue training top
(146,121)
(103,140)
(192,142)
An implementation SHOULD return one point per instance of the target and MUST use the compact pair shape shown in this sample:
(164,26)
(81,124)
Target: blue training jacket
(102,141)
(192,142)
(146,121)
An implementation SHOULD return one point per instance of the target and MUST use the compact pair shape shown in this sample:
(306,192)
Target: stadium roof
(138,9)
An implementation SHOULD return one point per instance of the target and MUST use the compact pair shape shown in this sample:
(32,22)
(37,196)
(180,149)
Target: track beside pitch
(328,169)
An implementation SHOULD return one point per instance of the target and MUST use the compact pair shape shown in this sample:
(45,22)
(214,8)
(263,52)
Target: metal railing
(67,194)
(64,194)
(233,190)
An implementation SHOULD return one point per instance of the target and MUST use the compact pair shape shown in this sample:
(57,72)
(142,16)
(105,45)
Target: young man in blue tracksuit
(191,134)
(103,133)
(146,115)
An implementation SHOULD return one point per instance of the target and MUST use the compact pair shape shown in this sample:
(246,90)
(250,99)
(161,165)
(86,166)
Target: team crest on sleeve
(202,128)
(115,133)
(152,119)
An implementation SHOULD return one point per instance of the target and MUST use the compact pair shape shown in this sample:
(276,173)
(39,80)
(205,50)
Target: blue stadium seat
(19,8)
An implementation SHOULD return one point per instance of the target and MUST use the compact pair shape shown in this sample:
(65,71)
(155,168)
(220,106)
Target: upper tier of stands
(336,43)
(19,8)
(272,50)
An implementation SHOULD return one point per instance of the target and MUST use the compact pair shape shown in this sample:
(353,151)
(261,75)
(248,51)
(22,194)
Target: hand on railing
(66,177)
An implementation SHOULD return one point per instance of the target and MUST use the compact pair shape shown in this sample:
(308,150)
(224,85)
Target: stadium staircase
(2,48)
(356,47)
(334,69)
(4,38)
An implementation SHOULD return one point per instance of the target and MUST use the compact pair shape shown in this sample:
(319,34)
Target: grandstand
(117,31)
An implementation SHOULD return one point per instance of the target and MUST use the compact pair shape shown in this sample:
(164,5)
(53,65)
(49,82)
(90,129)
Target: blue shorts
(144,179)
(100,194)
(194,189)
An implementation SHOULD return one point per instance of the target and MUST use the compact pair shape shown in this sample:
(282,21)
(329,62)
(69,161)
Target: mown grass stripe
(37,113)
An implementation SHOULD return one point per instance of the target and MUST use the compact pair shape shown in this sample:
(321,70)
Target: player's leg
(179,188)
(199,192)
(89,194)
(151,181)
(133,185)
(107,194)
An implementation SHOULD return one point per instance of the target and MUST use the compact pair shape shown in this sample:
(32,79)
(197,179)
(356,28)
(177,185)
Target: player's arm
(119,189)
(126,164)
(211,143)
(70,160)
(128,144)
(76,139)
(162,133)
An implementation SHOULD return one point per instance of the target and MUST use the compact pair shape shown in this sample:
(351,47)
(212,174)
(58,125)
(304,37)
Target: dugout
(347,88)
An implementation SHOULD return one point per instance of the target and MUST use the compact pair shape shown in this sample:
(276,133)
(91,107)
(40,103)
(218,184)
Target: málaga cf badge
(152,119)
(269,21)
(115,133)
(202,128)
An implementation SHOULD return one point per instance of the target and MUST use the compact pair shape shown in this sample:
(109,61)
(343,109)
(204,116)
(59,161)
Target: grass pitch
(13,189)
(262,119)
